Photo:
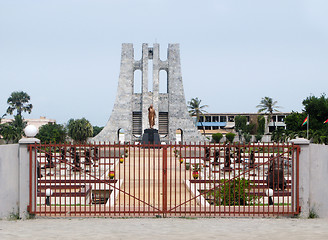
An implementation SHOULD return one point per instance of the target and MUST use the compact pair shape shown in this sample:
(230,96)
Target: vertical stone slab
(121,117)
(146,94)
(178,112)
(304,175)
(156,67)
(24,176)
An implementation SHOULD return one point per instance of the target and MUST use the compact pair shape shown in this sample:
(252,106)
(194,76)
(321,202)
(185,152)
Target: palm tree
(268,106)
(79,130)
(13,131)
(19,101)
(196,109)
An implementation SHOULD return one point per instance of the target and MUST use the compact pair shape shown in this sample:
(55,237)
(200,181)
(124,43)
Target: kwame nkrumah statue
(151,116)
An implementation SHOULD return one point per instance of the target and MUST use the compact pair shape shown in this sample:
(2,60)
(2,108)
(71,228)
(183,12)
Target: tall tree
(294,121)
(196,109)
(80,129)
(96,130)
(13,131)
(240,125)
(317,109)
(52,132)
(19,101)
(268,106)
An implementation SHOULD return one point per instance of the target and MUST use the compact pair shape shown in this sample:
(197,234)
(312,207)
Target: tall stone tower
(130,112)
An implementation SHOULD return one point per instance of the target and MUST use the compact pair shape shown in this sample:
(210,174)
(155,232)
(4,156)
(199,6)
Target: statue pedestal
(150,136)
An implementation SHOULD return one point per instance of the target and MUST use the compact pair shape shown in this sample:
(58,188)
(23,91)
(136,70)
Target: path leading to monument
(142,173)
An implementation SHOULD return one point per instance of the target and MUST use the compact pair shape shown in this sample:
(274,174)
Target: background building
(225,122)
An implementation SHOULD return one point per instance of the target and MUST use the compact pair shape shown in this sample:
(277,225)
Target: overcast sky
(66,53)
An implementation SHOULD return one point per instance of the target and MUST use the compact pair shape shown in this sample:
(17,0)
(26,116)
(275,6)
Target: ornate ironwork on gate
(166,180)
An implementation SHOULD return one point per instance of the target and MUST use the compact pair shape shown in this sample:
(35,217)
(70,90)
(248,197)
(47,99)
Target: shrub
(247,137)
(258,137)
(234,192)
(217,137)
(230,137)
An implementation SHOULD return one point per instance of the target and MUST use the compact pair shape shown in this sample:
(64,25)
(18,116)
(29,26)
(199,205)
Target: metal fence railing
(167,180)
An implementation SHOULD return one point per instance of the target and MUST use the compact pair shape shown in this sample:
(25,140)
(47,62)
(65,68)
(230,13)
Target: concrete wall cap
(29,141)
(300,141)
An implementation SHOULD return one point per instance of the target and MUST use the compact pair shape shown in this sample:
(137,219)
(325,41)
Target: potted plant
(187,165)
(111,174)
(176,153)
(195,172)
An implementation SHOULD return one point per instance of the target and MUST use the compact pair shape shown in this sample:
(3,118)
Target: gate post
(304,175)
(27,177)
(164,181)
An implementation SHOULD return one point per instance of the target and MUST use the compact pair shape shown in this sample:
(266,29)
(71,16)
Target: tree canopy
(19,101)
(317,109)
(267,105)
(80,129)
(13,131)
(195,108)
(52,133)
(240,123)
(96,130)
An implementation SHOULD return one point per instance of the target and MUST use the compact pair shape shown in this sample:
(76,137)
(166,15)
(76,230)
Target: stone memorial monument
(136,113)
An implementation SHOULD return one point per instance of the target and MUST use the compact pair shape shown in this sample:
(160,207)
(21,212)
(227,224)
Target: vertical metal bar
(158,157)
(291,166)
(153,162)
(297,180)
(139,175)
(144,179)
(134,172)
(164,181)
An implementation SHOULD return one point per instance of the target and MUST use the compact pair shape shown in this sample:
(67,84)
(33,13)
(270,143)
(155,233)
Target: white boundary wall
(14,179)
(9,180)
(313,173)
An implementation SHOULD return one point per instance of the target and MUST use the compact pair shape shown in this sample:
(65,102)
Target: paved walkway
(143,177)
(168,228)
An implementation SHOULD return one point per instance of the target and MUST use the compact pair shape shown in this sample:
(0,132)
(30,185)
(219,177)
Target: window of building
(215,119)
(281,118)
(223,118)
(231,118)
(207,118)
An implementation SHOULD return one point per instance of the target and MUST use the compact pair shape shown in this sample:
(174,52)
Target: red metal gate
(165,180)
